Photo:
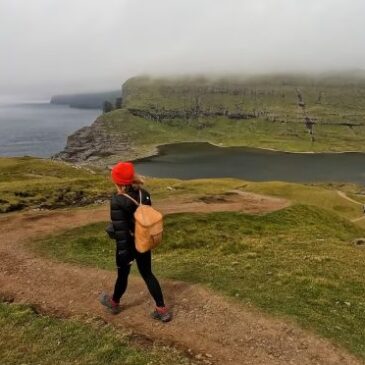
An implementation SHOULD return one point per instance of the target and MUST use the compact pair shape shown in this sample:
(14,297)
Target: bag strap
(133,200)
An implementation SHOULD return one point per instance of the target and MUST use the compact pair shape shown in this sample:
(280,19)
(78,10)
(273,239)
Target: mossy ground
(298,262)
(30,338)
(27,182)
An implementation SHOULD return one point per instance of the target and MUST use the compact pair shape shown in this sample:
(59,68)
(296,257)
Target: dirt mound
(217,330)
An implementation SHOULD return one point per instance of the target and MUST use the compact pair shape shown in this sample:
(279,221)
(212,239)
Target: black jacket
(121,214)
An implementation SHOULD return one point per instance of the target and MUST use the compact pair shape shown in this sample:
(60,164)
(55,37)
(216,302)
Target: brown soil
(216,329)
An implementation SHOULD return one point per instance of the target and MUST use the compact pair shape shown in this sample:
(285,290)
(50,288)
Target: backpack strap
(133,200)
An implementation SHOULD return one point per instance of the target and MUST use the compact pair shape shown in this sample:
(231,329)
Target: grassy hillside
(29,338)
(269,108)
(38,183)
(328,99)
(144,135)
(299,262)
(284,112)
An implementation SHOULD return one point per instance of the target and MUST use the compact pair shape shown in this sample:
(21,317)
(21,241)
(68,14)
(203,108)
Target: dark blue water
(39,129)
(202,160)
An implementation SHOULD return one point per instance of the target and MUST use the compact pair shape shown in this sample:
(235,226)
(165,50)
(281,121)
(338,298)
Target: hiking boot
(162,314)
(107,301)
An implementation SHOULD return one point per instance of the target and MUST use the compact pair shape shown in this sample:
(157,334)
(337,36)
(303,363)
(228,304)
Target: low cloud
(53,46)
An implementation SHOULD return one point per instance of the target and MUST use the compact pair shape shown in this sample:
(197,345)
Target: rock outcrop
(160,115)
(92,143)
(98,141)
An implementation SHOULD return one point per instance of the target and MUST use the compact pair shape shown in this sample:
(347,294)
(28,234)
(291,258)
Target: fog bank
(52,46)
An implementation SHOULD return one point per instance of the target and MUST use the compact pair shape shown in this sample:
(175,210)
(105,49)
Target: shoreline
(156,150)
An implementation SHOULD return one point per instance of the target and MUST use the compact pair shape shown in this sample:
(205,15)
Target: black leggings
(124,260)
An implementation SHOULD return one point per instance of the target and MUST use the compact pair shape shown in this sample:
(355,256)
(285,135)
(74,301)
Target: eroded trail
(344,196)
(204,322)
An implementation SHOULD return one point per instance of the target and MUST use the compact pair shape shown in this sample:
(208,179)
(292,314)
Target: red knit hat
(123,173)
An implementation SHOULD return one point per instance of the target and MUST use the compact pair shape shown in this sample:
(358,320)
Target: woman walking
(122,209)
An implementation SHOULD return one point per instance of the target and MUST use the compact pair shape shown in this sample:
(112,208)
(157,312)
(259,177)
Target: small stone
(359,242)
(348,304)
(252,255)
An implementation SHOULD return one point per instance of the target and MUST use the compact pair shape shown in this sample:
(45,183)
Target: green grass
(145,135)
(341,97)
(298,263)
(28,338)
(40,183)
(322,196)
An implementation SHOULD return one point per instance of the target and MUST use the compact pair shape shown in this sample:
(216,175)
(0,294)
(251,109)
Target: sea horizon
(37,128)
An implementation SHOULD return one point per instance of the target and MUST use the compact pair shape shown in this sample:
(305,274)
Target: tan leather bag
(148,225)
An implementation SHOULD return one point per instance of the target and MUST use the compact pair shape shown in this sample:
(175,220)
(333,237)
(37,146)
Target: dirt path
(223,331)
(358,219)
(344,196)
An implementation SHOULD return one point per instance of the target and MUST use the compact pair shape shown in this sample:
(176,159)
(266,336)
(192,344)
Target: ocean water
(39,129)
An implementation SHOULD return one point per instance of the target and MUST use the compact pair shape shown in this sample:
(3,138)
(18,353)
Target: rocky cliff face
(160,115)
(157,111)
(92,143)
(98,141)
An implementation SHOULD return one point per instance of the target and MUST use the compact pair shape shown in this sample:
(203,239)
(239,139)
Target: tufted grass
(30,338)
(298,263)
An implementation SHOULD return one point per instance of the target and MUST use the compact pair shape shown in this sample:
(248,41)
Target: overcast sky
(53,46)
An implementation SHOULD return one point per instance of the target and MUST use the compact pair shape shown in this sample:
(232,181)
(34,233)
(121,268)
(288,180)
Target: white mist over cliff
(77,45)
